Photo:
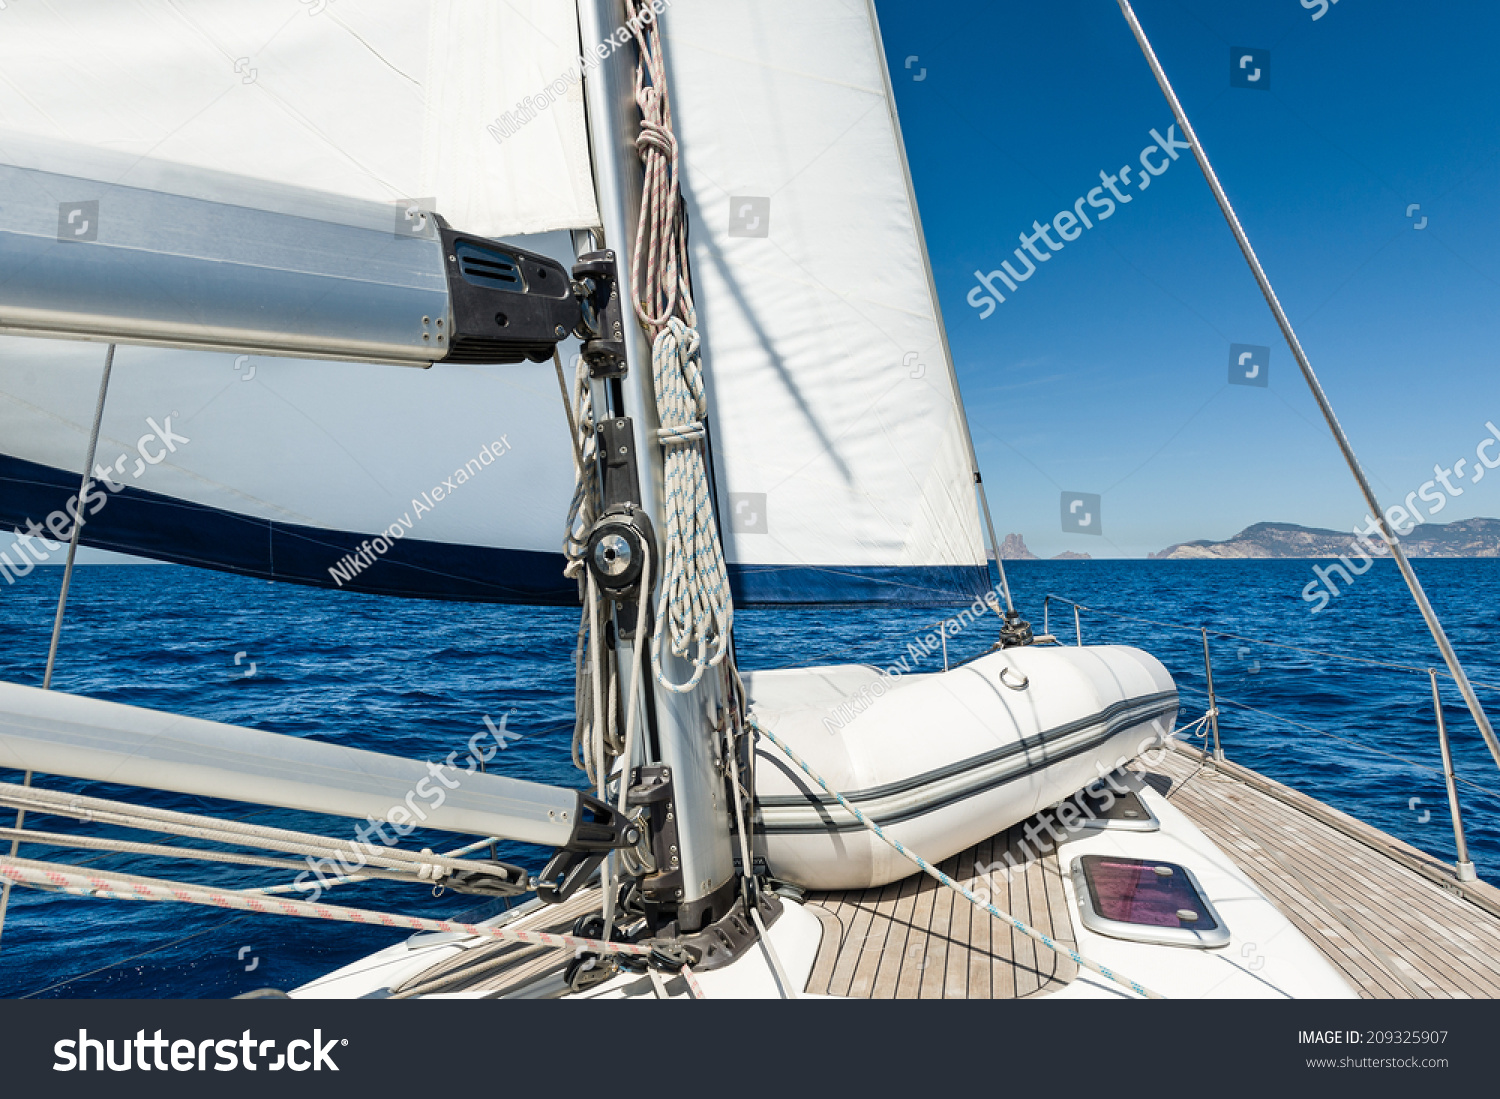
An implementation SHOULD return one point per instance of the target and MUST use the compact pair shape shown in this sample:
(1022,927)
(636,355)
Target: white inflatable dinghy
(941,761)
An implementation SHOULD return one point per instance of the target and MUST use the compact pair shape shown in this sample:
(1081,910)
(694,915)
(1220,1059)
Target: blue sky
(1107,371)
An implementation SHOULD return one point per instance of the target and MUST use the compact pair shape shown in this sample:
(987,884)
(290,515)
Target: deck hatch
(1145,900)
(1109,808)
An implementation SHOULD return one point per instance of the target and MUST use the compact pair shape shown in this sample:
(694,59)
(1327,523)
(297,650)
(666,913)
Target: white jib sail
(838,433)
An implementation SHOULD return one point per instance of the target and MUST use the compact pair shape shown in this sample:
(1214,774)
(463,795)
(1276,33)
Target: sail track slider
(596,285)
(597,830)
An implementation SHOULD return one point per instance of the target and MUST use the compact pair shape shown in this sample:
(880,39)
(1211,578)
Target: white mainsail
(842,463)
(386,100)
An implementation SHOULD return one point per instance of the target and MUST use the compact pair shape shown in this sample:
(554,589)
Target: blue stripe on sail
(149,524)
(780,585)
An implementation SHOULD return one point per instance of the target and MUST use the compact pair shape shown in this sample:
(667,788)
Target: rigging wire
(1219,697)
(1418,593)
(62,595)
(78,517)
(1294,648)
(1261,641)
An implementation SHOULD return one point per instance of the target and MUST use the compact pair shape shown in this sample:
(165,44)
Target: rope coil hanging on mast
(694,611)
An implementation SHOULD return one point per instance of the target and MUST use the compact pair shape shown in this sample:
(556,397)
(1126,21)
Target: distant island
(1014,549)
(1464,538)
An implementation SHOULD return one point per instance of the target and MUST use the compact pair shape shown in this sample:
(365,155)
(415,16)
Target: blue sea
(417,678)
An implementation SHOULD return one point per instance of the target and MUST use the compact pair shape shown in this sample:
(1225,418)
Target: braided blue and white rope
(934,872)
(694,601)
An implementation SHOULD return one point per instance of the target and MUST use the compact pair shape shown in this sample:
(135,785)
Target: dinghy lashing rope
(933,872)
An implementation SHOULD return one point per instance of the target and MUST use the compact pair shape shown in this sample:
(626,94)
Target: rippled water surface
(417,678)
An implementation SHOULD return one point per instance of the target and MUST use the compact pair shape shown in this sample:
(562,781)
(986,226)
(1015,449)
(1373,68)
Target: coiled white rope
(694,601)
(694,606)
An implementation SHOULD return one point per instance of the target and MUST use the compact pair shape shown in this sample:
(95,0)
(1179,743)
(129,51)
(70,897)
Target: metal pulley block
(617,550)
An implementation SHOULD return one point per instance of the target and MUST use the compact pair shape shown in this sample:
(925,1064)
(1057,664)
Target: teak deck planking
(1394,920)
